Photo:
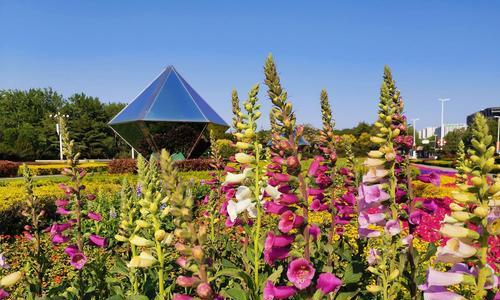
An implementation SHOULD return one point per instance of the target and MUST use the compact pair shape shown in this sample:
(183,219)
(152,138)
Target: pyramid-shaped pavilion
(168,114)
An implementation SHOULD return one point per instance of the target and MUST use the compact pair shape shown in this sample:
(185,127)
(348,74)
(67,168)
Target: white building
(427,132)
(449,128)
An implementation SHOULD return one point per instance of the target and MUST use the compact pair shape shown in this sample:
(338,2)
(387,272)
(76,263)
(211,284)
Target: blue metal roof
(169,98)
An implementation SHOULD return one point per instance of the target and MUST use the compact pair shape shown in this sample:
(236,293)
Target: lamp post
(414,137)
(443,100)
(58,116)
(498,134)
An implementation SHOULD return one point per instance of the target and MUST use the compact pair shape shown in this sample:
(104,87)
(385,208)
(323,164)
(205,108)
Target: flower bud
(456,231)
(375,154)
(377,140)
(142,224)
(198,253)
(374,289)
(456,207)
(292,162)
(187,281)
(477,181)
(481,211)
(121,238)
(461,216)
(244,158)
(160,234)
(204,291)
(140,241)
(243,146)
(394,274)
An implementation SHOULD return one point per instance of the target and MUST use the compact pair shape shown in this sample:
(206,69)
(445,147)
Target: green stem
(256,237)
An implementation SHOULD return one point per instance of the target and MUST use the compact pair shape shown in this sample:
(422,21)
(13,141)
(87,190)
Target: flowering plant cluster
(271,224)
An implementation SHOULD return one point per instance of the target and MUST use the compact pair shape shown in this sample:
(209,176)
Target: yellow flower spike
(374,289)
(481,211)
(455,231)
(121,238)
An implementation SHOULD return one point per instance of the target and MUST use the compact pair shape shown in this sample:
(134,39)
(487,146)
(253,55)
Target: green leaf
(350,276)
(138,297)
(431,250)
(346,295)
(275,275)
(238,273)
(236,294)
(318,295)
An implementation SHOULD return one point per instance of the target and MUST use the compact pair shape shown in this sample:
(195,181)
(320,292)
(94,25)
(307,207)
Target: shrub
(226,147)
(56,169)
(8,168)
(122,165)
(199,164)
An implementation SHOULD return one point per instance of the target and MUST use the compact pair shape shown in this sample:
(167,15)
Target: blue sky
(113,49)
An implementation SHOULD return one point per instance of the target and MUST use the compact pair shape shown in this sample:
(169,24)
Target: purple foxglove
(439,293)
(97,241)
(187,282)
(94,216)
(78,260)
(182,297)
(59,239)
(300,272)
(272,207)
(373,256)
(289,221)
(316,205)
(373,194)
(327,283)
(3,294)
(272,292)
(3,262)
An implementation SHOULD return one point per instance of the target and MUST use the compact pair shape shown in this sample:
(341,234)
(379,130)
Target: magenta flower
(204,290)
(327,283)
(272,292)
(61,202)
(430,178)
(182,262)
(97,241)
(369,233)
(316,205)
(281,177)
(272,207)
(71,250)
(277,247)
(289,221)
(59,239)
(288,199)
(313,168)
(94,216)
(62,211)
(78,260)
(3,294)
(300,272)
(314,231)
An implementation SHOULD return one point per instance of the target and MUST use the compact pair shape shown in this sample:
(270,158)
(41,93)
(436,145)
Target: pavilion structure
(168,114)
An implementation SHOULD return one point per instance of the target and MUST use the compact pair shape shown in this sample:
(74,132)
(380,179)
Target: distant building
(449,128)
(426,133)
(490,113)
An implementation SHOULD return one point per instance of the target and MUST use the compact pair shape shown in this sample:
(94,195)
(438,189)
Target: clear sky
(113,49)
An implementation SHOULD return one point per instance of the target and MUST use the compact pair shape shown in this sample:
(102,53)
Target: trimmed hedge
(122,165)
(56,169)
(198,164)
(8,168)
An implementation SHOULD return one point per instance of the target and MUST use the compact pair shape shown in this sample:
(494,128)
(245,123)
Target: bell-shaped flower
(144,260)
(439,293)
(289,221)
(373,194)
(327,283)
(3,294)
(300,272)
(97,241)
(272,292)
(455,231)
(272,192)
(288,198)
(187,282)
(244,158)
(272,207)
(277,247)
(78,260)
(455,251)
(316,205)
(94,216)
(140,241)
(437,278)
(374,175)
(11,279)
(393,227)
(232,178)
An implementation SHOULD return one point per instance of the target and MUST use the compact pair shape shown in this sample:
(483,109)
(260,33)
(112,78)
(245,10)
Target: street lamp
(58,116)
(414,137)
(443,100)
(498,134)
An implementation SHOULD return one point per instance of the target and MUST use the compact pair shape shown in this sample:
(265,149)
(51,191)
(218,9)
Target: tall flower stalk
(377,203)
(33,212)
(290,196)
(473,221)
(73,207)
(244,191)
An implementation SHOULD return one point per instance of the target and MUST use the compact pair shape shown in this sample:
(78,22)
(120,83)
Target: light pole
(58,116)
(414,137)
(443,100)
(498,134)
